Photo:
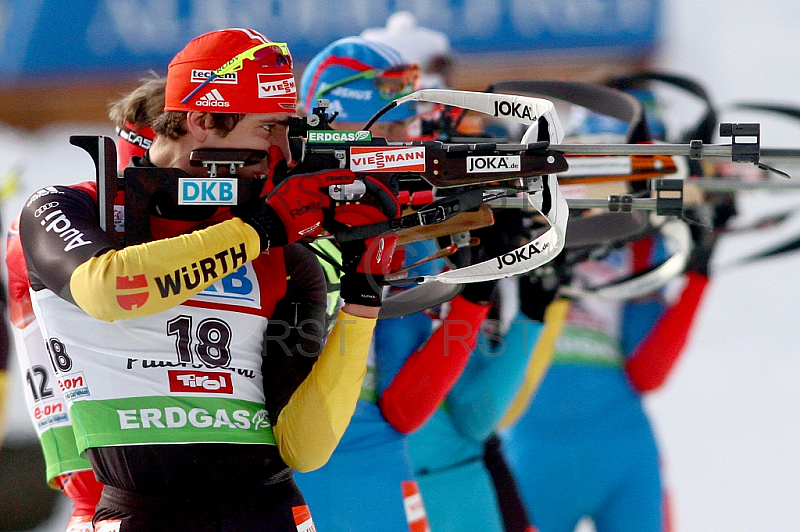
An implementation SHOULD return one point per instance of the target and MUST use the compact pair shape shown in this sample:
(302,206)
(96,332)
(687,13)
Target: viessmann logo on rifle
(493,163)
(387,159)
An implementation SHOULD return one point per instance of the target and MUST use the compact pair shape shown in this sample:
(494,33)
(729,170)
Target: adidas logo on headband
(212,99)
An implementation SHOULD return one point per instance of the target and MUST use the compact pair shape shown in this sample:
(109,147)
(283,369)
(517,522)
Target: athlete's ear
(198,124)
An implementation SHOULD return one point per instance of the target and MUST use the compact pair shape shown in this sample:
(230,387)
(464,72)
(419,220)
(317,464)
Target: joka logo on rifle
(489,164)
(207,191)
(514,110)
(520,255)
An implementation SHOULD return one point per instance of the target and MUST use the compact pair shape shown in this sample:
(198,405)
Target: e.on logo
(199,382)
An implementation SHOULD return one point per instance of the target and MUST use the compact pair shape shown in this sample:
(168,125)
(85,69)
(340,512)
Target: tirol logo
(387,159)
(339,136)
(119,218)
(514,110)
(522,254)
(207,191)
(106,525)
(271,85)
(132,292)
(489,164)
(199,76)
(199,382)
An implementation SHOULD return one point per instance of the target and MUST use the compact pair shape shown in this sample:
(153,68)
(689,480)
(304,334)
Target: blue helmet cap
(655,124)
(363,63)
(596,123)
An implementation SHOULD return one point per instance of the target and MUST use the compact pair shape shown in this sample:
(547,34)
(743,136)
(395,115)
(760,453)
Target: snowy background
(728,419)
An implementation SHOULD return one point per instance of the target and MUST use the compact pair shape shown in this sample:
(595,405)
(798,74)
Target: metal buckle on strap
(435,216)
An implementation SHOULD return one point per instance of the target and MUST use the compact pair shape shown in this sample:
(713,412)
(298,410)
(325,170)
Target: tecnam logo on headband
(202,75)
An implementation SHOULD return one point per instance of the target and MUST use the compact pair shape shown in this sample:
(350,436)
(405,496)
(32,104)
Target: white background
(728,419)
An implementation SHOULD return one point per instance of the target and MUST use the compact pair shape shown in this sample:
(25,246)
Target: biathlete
(183,420)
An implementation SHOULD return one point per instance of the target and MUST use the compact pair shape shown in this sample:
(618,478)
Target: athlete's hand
(294,208)
(365,262)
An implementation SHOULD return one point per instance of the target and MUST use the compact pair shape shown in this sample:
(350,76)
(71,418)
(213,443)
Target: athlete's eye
(268,127)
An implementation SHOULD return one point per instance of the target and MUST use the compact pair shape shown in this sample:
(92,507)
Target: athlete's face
(256,132)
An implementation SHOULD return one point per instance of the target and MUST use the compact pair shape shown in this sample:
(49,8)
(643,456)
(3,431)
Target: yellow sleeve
(311,424)
(539,362)
(149,278)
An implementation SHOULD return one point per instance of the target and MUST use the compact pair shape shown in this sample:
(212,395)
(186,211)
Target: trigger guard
(387,201)
(388,206)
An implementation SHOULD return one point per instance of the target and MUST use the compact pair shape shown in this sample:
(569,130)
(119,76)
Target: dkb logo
(207,191)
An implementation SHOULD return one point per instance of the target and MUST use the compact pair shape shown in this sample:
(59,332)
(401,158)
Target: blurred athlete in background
(368,484)
(584,447)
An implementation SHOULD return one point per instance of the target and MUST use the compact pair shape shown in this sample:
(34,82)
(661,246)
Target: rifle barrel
(704,150)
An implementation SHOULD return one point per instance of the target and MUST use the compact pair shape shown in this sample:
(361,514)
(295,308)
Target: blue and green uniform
(361,486)
(585,446)
(447,452)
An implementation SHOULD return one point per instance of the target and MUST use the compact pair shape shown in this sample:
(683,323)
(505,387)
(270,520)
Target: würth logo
(136,290)
(199,381)
(213,99)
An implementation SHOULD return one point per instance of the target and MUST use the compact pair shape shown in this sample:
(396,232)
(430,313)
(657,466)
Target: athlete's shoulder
(304,274)
(300,259)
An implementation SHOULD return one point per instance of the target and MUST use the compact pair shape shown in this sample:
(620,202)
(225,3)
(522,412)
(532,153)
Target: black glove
(364,264)
(269,227)
(538,289)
